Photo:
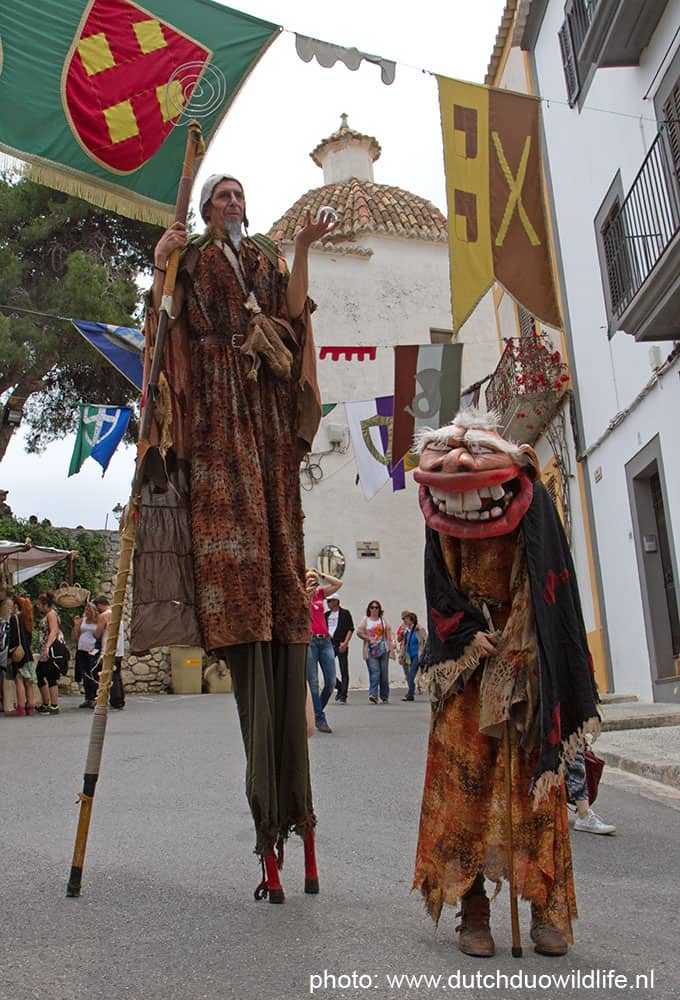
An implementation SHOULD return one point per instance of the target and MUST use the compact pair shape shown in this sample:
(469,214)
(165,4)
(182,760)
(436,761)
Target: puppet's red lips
(472,513)
(463,482)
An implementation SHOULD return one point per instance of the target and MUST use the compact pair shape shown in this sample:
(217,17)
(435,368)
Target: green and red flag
(91,91)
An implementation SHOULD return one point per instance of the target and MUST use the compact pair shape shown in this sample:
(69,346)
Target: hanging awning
(19,561)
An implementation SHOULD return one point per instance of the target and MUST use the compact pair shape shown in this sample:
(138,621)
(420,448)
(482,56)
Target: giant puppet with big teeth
(507,659)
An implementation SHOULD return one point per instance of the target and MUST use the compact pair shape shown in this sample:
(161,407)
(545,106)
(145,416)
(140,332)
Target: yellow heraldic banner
(497,224)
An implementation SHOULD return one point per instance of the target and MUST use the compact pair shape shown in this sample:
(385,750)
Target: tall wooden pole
(194,149)
(514,916)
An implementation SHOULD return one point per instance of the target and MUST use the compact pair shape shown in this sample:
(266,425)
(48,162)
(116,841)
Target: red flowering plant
(530,368)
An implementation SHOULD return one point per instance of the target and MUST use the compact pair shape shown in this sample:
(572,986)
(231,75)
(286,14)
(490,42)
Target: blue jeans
(320,654)
(411,676)
(378,677)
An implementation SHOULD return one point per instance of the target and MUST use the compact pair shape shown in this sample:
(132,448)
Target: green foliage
(63,256)
(88,567)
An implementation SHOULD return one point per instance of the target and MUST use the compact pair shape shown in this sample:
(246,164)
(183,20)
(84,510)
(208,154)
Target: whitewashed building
(380,281)
(608,74)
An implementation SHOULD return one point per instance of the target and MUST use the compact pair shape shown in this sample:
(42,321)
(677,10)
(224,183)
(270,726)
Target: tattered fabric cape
(568,695)
(164,610)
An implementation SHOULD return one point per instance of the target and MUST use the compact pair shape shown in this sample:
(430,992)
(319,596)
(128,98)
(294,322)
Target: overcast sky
(281,114)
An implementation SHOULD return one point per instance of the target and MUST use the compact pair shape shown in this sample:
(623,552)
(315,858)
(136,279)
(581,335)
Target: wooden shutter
(569,63)
(671,112)
(527,323)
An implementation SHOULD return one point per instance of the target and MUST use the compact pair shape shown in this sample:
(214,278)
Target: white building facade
(381,281)
(608,74)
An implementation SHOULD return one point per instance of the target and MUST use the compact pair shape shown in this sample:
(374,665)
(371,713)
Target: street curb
(667,774)
(640,722)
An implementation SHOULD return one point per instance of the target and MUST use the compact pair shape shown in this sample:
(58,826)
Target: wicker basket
(71,595)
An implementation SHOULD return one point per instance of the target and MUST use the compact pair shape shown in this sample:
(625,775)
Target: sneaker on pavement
(591,823)
(42,710)
(323,727)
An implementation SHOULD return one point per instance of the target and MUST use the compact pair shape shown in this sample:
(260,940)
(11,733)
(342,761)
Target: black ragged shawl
(568,695)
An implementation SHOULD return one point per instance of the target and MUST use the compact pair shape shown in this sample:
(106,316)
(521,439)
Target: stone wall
(141,674)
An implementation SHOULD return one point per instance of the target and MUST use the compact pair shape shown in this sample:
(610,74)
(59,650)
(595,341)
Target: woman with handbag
(87,652)
(48,670)
(21,658)
(376,632)
(413,645)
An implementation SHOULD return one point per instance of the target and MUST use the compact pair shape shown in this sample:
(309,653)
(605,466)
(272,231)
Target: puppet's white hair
(470,419)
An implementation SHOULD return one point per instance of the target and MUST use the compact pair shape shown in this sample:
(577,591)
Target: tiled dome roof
(365,207)
(344,135)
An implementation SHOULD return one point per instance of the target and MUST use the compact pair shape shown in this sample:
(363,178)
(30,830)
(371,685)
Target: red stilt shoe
(311,872)
(270,886)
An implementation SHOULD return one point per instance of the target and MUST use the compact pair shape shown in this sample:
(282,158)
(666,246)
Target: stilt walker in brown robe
(219,556)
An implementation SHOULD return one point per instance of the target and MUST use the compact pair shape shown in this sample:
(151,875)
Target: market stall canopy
(20,561)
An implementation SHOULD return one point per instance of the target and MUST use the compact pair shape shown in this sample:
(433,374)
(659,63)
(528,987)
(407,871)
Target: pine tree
(62,256)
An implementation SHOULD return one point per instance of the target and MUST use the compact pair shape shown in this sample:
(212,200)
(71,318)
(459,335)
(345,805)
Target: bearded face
(473,483)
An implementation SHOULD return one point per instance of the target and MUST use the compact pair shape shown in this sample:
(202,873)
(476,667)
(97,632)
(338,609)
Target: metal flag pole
(194,150)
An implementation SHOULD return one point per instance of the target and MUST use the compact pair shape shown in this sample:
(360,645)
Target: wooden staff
(507,748)
(514,916)
(194,149)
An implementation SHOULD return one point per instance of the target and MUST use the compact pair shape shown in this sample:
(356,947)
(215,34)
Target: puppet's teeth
(472,500)
(496,492)
(472,515)
(496,511)
(484,516)
(454,503)
(486,492)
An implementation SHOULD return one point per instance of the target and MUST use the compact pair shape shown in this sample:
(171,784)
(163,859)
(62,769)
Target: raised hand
(325,223)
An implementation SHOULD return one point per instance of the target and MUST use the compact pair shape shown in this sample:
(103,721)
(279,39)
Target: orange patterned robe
(463,824)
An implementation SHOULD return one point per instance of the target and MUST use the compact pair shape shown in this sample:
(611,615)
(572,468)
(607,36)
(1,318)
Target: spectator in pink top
(320,653)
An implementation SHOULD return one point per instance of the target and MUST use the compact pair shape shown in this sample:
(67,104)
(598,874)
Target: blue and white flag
(100,431)
(122,347)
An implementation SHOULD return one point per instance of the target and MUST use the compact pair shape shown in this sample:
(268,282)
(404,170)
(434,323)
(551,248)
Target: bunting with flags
(426,391)
(122,347)
(497,226)
(100,431)
(370,431)
(91,91)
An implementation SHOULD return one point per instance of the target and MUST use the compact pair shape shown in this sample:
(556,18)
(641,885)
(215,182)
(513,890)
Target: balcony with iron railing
(641,245)
(526,387)
(612,32)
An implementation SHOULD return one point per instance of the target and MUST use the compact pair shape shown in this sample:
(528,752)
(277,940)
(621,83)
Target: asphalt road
(167,910)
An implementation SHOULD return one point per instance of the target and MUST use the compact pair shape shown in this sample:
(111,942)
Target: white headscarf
(209,186)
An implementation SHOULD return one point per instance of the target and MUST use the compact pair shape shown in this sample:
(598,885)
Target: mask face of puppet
(473,482)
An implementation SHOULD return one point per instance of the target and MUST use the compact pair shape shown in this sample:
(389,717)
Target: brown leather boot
(474,936)
(548,940)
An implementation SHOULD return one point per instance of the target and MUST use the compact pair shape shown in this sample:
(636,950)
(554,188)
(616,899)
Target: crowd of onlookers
(34,654)
(331,631)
